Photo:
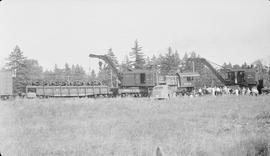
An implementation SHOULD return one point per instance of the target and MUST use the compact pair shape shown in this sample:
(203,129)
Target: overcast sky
(55,32)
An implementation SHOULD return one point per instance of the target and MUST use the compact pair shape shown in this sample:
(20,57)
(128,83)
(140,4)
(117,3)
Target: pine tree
(48,75)
(16,63)
(67,70)
(229,65)
(184,63)
(125,65)
(58,73)
(33,71)
(93,75)
(236,66)
(25,70)
(154,60)
(102,75)
(148,63)
(193,55)
(169,63)
(16,60)
(112,56)
(79,73)
(244,65)
(138,56)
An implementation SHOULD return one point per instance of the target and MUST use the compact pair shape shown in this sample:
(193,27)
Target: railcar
(68,91)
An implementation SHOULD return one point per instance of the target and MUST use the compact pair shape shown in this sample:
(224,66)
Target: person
(213,91)
(244,91)
(218,91)
(254,91)
(200,91)
(158,152)
(209,90)
(248,91)
(225,90)
(236,91)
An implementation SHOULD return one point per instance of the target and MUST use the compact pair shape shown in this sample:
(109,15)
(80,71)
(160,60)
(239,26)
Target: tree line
(26,70)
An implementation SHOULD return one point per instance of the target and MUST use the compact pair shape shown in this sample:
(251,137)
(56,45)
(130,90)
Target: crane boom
(109,62)
(209,66)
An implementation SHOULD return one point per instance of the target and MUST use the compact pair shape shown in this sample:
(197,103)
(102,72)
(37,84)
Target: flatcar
(68,91)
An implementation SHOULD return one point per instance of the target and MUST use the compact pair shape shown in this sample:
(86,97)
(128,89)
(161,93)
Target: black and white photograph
(134,78)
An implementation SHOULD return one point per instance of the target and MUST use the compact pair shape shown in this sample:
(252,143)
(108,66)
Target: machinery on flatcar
(137,82)
(250,77)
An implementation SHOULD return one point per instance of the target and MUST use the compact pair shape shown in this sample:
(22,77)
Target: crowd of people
(217,91)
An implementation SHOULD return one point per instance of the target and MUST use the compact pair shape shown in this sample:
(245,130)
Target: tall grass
(200,126)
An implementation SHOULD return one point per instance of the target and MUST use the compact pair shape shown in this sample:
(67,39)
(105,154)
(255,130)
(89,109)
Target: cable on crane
(219,65)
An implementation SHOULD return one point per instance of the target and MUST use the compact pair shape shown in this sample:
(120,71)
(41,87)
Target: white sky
(55,32)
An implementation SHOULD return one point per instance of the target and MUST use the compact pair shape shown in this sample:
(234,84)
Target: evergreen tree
(184,63)
(48,75)
(67,70)
(148,62)
(169,64)
(244,66)
(190,65)
(33,71)
(193,55)
(126,65)
(16,63)
(93,75)
(58,73)
(185,57)
(16,60)
(229,65)
(102,75)
(112,56)
(154,60)
(25,70)
(79,73)
(236,66)
(152,63)
(155,63)
(138,56)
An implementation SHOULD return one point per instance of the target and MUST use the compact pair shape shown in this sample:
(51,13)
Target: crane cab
(139,78)
(242,77)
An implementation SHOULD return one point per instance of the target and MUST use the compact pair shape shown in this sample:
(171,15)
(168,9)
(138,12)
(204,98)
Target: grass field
(203,126)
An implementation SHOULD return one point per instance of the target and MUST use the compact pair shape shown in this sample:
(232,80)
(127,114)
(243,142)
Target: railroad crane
(241,77)
(110,63)
(137,82)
